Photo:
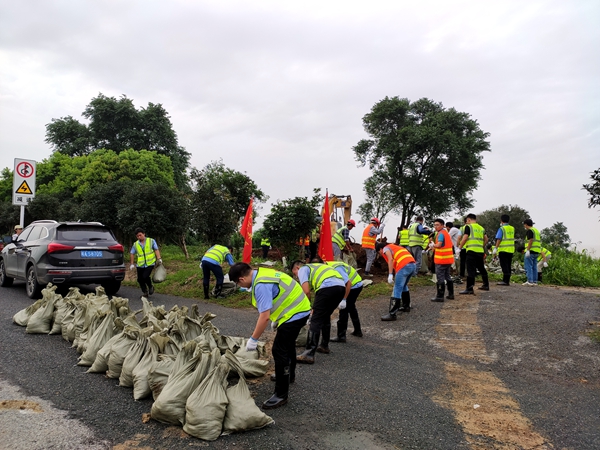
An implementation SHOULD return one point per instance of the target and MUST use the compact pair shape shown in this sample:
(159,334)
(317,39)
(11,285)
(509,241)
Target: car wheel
(112,288)
(32,286)
(4,280)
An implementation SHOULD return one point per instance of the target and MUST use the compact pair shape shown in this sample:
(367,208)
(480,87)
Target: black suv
(63,253)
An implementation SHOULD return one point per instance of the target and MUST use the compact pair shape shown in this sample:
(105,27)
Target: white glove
(457,251)
(251,344)
(495,250)
(342,304)
(391,278)
(527,254)
(131,267)
(545,264)
(430,245)
(159,261)
(382,226)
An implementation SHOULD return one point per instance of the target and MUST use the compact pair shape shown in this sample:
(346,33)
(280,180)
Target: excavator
(340,207)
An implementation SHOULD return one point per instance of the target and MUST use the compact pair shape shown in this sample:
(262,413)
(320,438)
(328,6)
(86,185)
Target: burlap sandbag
(141,386)
(101,335)
(100,364)
(159,372)
(22,317)
(41,320)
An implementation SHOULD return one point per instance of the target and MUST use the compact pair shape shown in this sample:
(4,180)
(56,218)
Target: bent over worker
(402,263)
(211,262)
(349,309)
(341,240)
(280,299)
(369,238)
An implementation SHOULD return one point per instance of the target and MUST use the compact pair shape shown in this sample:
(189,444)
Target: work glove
(495,250)
(251,344)
(457,252)
(159,261)
(342,304)
(430,246)
(382,226)
(545,264)
(131,267)
(391,279)
(527,254)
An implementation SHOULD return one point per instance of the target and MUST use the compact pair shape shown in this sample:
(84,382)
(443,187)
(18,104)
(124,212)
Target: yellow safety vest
(536,245)
(507,244)
(475,241)
(290,300)
(425,242)
(544,252)
(217,253)
(353,275)
(265,242)
(319,273)
(145,254)
(414,239)
(403,238)
(338,238)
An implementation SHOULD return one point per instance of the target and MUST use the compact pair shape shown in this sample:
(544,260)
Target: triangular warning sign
(24,188)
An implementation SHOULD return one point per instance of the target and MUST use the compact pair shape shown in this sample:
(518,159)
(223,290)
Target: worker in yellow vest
(474,241)
(341,240)
(542,261)
(533,247)
(265,244)
(505,248)
(211,262)
(443,259)
(147,255)
(403,236)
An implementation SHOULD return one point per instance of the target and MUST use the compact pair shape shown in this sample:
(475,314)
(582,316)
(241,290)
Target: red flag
(246,233)
(325,244)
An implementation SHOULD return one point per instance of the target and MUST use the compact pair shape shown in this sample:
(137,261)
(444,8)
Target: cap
(352,222)
(18,227)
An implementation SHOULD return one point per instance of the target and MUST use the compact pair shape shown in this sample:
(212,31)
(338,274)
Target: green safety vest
(217,252)
(338,238)
(414,239)
(319,273)
(536,245)
(290,300)
(507,244)
(404,240)
(544,252)
(475,241)
(353,275)
(145,254)
(265,242)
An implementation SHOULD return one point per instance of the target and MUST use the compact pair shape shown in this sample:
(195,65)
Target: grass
(571,268)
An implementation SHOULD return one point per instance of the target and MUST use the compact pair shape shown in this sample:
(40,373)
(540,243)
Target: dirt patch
(21,405)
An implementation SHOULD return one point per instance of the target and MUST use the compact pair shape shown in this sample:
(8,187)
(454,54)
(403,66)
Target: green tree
(555,236)
(115,124)
(219,199)
(593,189)
(378,203)
(425,158)
(490,220)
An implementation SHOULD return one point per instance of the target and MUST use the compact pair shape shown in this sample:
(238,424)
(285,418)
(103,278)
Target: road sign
(24,181)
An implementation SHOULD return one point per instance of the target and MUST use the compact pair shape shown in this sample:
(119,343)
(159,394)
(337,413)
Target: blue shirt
(499,233)
(265,293)
(228,257)
(440,238)
(304,272)
(133,251)
(343,273)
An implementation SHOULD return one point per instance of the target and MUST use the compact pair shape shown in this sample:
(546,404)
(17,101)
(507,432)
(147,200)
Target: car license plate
(91,253)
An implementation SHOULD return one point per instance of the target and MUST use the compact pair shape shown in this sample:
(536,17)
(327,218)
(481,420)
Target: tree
(115,124)
(593,189)
(490,220)
(425,158)
(378,203)
(556,236)
(219,200)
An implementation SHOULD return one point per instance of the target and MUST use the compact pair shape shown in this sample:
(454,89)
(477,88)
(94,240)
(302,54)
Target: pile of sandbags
(177,356)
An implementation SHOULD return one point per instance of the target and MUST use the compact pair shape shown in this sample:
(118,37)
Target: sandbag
(350,259)
(61,308)
(100,364)
(22,317)
(302,336)
(160,273)
(228,288)
(101,335)
(41,320)
(159,372)
(119,350)
(141,387)
(133,357)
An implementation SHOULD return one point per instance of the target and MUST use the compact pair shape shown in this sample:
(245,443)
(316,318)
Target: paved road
(509,368)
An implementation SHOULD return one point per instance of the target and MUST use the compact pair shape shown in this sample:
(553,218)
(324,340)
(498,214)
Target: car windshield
(84,233)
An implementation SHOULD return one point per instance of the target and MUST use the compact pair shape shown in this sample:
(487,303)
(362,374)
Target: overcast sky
(278,89)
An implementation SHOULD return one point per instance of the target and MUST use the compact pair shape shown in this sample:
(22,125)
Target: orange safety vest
(305,241)
(401,256)
(444,254)
(368,241)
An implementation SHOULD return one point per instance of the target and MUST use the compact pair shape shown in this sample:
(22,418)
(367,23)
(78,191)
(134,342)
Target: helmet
(351,222)
(375,220)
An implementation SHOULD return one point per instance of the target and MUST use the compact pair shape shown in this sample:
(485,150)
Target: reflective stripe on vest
(319,273)
(414,239)
(475,241)
(536,245)
(290,300)
(444,254)
(217,253)
(367,240)
(401,256)
(404,238)
(145,254)
(265,242)
(507,244)
(353,275)
(544,253)
(338,238)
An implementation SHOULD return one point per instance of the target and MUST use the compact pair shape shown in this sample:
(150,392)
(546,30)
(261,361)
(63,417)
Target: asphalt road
(510,368)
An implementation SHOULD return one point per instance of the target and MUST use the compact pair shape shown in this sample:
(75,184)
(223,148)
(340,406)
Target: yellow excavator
(340,207)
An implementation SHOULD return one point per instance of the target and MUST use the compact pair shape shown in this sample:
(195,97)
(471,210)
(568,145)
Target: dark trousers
(475,262)
(326,300)
(505,264)
(207,268)
(265,250)
(314,249)
(442,273)
(144,277)
(463,262)
(284,354)
(349,311)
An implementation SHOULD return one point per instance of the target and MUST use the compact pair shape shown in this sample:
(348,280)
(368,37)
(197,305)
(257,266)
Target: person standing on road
(280,299)
(416,231)
(341,240)
(505,248)
(330,289)
(403,264)
(443,259)
(146,253)
(211,262)
(533,247)
(474,241)
(18,231)
(356,285)
(455,234)
(369,238)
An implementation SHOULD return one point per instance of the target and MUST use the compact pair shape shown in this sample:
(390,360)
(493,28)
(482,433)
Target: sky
(278,89)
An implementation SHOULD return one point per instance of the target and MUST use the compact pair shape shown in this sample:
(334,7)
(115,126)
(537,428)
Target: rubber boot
(394,307)
(356,324)
(469,289)
(218,289)
(439,297)
(308,355)
(205,286)
(405,302)
(325,335)
(450,286)
(282,387)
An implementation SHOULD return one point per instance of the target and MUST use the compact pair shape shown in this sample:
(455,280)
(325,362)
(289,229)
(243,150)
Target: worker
(265,244)
(18,231)
(279,299)
(145,251)
(350,310)
(505,248)
(369,238)
(474,241)
(401,262)
(542,261)
(533,247)
(443,259)
(330,289)
(403,236)
(462,257)
(455,234)
(341,240)
(211,262)
(416,231)
(304,248)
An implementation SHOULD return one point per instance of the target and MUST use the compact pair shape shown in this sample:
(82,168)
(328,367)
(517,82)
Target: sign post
(23,184)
